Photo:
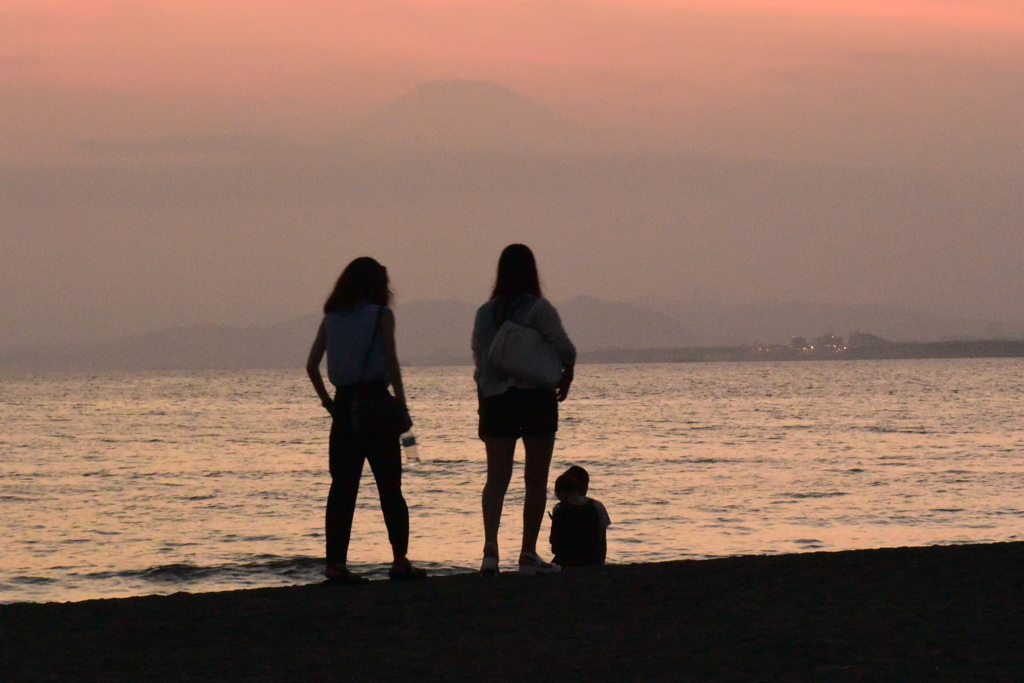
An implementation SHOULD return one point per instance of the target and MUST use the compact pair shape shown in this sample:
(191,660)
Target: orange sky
(266,47)
(691,73)
(130,89)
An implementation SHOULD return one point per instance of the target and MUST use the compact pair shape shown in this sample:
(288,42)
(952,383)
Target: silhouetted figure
(514,406)
(358,336)
(578,524)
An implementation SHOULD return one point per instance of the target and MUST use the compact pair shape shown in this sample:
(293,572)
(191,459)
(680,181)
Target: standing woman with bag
(524,366)
(358,336)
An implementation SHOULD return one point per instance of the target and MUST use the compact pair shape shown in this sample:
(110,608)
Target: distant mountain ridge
(773,322)
(462,115)
(438,333)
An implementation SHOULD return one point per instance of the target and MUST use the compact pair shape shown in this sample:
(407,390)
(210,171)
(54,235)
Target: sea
(117,485)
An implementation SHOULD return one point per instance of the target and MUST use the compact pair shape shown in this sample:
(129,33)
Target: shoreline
(937,613)
(883,350)
(755,353)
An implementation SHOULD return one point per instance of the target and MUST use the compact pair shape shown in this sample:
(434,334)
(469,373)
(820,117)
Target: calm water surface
(128,484)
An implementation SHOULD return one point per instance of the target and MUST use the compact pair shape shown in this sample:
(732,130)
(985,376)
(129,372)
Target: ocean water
(130,484)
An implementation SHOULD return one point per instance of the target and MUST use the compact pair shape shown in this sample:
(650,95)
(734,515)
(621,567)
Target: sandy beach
(937,613)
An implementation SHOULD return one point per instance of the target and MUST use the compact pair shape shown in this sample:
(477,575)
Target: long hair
(517,274)
(364,278)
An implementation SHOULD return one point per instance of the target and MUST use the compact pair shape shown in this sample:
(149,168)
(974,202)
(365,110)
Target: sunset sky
(931,90)
(861,81)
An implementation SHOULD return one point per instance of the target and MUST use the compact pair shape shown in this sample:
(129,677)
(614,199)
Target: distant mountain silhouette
(428,333)
(434,332)
(595,324)
(200,347)
(469,116)
(438,333)
(774,322)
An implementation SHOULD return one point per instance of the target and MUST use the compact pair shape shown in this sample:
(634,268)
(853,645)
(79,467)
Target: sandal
(530,564)
(489,567)
(404,571)
(340,575)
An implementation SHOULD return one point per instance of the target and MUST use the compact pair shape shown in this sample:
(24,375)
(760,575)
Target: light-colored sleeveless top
(348,335)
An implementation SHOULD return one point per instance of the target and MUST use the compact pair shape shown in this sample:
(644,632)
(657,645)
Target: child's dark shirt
(578,536)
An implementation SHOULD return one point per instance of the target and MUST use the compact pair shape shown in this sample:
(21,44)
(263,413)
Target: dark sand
(941,613)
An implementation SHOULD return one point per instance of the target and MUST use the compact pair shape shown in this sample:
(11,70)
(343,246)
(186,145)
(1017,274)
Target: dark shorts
(519,412)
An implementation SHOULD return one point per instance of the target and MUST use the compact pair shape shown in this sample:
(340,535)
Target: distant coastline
(881,350)
(436,333)
(37,361)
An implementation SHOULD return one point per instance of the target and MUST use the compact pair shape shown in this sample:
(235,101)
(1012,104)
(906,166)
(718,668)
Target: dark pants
(348,451)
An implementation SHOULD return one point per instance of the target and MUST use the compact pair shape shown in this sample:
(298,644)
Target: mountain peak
(470,115)
(456,89)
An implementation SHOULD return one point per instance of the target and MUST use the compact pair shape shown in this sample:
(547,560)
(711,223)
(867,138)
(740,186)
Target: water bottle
(412,451)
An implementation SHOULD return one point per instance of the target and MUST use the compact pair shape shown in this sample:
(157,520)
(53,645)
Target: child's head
(567,488)
(581,476)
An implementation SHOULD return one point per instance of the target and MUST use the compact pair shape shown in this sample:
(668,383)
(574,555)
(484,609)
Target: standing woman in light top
(512,408)
(358,335)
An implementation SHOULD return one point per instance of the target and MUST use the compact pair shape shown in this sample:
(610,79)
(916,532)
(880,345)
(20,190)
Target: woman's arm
(316,354)
(387,335)
(557,535)
(480,342)
(549,324)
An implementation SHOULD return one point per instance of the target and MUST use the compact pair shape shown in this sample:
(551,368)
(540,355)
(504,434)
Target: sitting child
(578,524)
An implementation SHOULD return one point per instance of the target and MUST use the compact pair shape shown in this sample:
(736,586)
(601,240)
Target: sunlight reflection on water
(126,484)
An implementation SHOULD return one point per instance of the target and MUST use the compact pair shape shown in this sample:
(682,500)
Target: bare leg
(500,451)
(538,459)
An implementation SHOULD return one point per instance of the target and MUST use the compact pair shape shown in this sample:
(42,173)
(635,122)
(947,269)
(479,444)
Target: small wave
(300,569)
(894,430)
(32,580)
(446,461)
(816,494)
(186,572)
(706,461)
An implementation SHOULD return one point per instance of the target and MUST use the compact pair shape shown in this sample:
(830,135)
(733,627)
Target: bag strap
(369,349)
(528,319)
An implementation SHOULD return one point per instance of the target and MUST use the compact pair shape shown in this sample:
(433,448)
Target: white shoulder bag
(522,352)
